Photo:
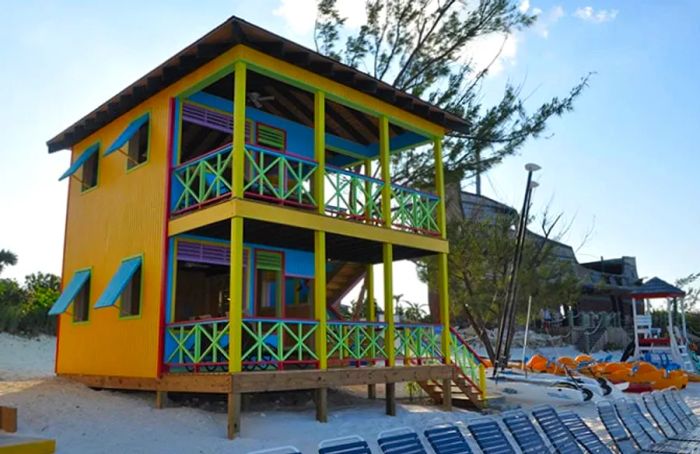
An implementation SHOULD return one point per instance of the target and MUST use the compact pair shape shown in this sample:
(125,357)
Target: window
(90,167)
(81,303)
(131,296)
(271,137)
(137,147)
(268,288)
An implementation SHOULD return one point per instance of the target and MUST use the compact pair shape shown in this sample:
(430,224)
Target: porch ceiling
(338,247)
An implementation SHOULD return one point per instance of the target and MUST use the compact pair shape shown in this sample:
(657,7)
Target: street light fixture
(507,322)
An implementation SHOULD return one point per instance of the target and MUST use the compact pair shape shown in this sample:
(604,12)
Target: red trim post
(164,270)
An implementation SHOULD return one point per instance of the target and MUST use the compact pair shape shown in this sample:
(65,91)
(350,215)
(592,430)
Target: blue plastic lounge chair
(524,432)
(353,444)
(447,439)
(642,439)
(676,395)
(278,450)
(400,441)
(555,430)
(615,429)
(490,437)
(680,413)
(630,412)
(583,434)
(671,431)
(671,416)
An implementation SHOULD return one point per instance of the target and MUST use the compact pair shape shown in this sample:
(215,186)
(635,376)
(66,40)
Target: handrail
(226,147)
(285,154)
(469,347)
(354,174)
(415,191)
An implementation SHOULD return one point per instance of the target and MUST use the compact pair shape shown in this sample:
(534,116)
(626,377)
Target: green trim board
(71,291)
(141,286)
(130,165)
(84,156)
(126,135)
(118,282)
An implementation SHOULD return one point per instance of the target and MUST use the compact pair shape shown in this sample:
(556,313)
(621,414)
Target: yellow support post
(236,267)
(239,94)
(320,236)
(320,297)
(369,277)
(443,293)
(385,162)
(320,150)
(440,187)
(388,256)
(235,310)
(482,381)
(442,278)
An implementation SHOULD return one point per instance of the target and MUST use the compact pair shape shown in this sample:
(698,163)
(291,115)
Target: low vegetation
(24,307)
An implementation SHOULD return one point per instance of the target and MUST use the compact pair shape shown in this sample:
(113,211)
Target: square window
(131,296)
(137,147)
(90,167)
(81,303)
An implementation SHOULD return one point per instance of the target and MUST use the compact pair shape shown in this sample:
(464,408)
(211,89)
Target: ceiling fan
(257,99)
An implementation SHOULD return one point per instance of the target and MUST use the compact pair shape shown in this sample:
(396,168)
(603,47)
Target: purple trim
(205,253)
(208,118)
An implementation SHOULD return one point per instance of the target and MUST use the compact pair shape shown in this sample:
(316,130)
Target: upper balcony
(281,157)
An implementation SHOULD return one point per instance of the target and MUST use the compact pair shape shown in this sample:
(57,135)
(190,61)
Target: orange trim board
(303,219)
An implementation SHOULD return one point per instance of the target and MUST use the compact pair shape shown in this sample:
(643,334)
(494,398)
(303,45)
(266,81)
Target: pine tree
(418,46)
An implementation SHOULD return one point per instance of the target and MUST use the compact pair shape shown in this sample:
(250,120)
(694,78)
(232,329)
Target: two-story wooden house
(219,208)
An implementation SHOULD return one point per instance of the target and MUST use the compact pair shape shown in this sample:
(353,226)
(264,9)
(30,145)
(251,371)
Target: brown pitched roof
(230,33)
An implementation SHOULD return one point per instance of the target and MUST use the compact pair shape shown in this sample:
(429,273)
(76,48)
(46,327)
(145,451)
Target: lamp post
(507,322)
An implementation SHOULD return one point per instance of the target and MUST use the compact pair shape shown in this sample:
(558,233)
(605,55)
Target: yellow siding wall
(123,216)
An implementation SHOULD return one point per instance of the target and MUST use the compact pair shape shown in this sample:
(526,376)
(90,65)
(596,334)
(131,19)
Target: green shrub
(25,309)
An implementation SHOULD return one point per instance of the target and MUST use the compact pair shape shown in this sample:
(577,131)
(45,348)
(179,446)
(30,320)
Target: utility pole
(507,320)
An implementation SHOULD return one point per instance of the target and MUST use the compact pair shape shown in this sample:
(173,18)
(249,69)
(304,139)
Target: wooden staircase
(464,393)
(340,281)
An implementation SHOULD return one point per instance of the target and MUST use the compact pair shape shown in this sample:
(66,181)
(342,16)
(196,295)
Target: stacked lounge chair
(447,439)
(490,437)
(620,419)
(524,432)
(555,430)
(400,441)
(583,434)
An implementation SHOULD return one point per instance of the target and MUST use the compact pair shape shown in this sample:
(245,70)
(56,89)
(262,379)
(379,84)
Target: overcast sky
(623,167)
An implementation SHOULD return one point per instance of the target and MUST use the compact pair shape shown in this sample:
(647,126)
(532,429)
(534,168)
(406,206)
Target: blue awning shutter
(70,292)
(80,161)
(116,286)
(127,134)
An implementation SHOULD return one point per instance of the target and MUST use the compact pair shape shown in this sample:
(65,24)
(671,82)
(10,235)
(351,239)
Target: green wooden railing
(352,195)
(203,179)
(269,343)
(279,177)
(274,343)
(414,210)
(467,361)
(418,343)
(355,342)
(199,345)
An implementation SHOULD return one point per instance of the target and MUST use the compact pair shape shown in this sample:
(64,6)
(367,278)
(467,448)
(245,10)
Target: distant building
(604,283)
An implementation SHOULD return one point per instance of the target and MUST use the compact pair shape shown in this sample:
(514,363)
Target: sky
(622,168)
